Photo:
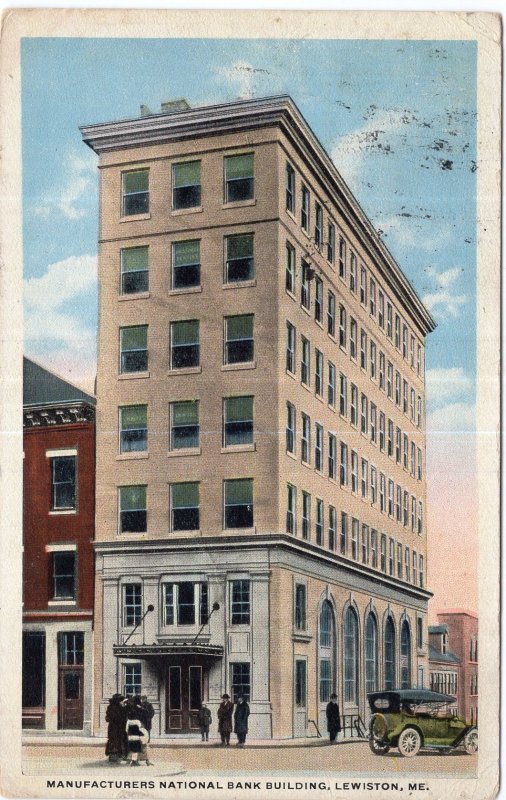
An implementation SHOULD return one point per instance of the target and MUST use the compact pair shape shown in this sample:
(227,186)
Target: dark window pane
(186,277)
(133,521)
(132,282)
(72,686)
(187,197)
(186,604)
(204,604)
(175,688)
(136,203)
(239,432)
(34,656)
(185,436)
(134,361)
(185,356)
(240,351)
(185,519)
(239,516)
(240,269)
(133,440)
(239,189)
(195,687)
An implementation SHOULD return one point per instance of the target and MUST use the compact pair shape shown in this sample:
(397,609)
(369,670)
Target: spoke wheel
(377,747)
(409,742)
(471,741)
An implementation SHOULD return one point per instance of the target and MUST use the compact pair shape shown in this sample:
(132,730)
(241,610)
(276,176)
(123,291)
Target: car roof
(411,696)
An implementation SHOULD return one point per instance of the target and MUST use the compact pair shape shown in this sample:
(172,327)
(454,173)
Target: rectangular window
(238,421)
(405,341)
(405,450)
(332,528)
(290,268)
(405,398)
(185,346)
(419,359)
(344,534)
(353,273)
(305,289)
(407,564)
(332,456)
(132,509)
(135,192)
(184,425)
(343,469)
(415,568)
(382,432)
(306,438)
(413,513)
(305,364)
(134,270)
(290,428)
(318,299)
(420,518)
(383,563)
(239,178)
(413,459)
(397,332)
(363,349)
(389,320)
(342,258)
(319,522)
(300,606)
(70,649)
(240,681)
(186,190)
(397,389)
(374,485)
(318,376)
(382,492)
(421,577)
(412,405)
(343,391)
(132,604)
(412,351)
(405,509)
(363,286)
(353,338)
(318,448)
(331,388)
(239,341)
(364,479)
(365,544)
(354,405)
(372,360)
(399,560)
(240,262)
(390,441)
(372,297)
(381,309)
(304,208)
(419,412)
(398,445)
(184,504)
(133,349)
(306,514)
(290,188)
(354,538)
(240,602)
(132,679)
(382,371)
(420,464)
(331,243)
(354,472)
(239,503)
(185,603)
(374,549)
(390,498)
(398,504)
(186,264)
(64,575)
(342,326)
(363,414)
(133,422)
(290,348)
(63,483)
(390,379)
(291,506)
(331,314)
(391,557)
(318,227)
(419,632)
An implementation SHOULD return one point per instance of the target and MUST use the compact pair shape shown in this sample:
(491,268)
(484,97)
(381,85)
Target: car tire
(378,727)
(377,747)
(409,742)
(471,741)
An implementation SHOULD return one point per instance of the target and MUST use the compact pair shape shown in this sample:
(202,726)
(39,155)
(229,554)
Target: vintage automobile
(410,719)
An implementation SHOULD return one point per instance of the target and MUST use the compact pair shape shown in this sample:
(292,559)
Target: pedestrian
(225,711)
(115,716)
(136,732)
(333,718)
(241,715)
(205,719)
(148,712)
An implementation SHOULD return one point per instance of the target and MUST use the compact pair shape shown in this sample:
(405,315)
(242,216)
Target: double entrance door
(184,690)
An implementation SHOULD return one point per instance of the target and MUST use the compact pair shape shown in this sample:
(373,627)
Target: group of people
(128,730)
(228,720)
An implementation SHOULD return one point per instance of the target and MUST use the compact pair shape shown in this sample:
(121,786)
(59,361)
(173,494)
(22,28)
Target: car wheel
(378,727)
(377,747)
(471,741)
(409,742)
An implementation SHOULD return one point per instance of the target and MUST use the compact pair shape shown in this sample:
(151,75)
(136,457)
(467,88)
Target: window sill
(291,375)
(66,603)
(332,337)
(62,512)
(178,212)
(292,216)
(319,323)
(331,406)
(290,295)
(135,217)
(185,371)
(133,455)
(300,636)
(128,376)
(239,365)
(293,456)
(306,464)
(239,284)
(193,531)
(134,296)
(320,398)
(306,310)
(239,448)
(237,531)
(188,290)
(307,387)
(240,204)
(185,451)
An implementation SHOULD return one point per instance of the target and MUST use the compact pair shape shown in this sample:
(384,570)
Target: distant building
(444,666)
(58,573)
(462,629)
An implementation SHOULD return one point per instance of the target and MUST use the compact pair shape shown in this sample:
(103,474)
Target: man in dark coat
(333,718)
(241,715)
(205,719)
(115,716)
(225,711)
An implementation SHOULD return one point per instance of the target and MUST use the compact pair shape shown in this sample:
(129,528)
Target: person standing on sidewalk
(205,719)
(241,715)
(115,716)
(225,711)
(333,718)
(136,732)
(147,714)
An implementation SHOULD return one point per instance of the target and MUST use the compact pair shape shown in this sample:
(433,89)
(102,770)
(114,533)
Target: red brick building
(453,659)
(58,562)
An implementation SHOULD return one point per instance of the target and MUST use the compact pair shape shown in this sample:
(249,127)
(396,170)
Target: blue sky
(398,118)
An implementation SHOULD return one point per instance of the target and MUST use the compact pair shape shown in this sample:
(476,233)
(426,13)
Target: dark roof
(41,387)
(442,628)
(437,655)
(416,696)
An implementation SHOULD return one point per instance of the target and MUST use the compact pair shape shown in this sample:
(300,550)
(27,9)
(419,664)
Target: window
(383,553)
(300,606)
(306,438)
(420,518)
(344,533)
(353,273)
(364,478)
(239,342)
(389,320)
(390,443)
(419,632)
(342,326)
(64,575)
(391,557)
(374,548)
(363,286)
(353,338)
(319,522)
(343,469)
(133,428)
(363,414)
(354,472)
(342,258)
(132,509)
(372,297)
(420,464)
(363,349)
(421,577)
(381,309)
(134,270)
(238,421)
(186,185)
(354,538)
(133,349)
(415,568)
(132,604)
(407,564)
(405,398)
(372,360)
(306,514)
(240,680)
(382,492)
(412,351)
(184,425)
(331,244)
(331,314)
(332,528)
(239,178)
(404,341)
(371,654)
(325,663)
(419,412)
(405,509)
(354,405)
(184,504)
(351,656)
(382,371)
(135,191)
(332,456)
(419,359)
(305,290)
(185,349)
(397,332)
(290,188)
(405,656)
(365,544)
(390,498)
(305,361)
(331,388)
(397,388)
(290,428)
(304,208)
(240,602)
(70,649)
(405,450)
(63,483)
(399,560)
(318,448)
(132,679)
(291,509)
(374,430)
(185,603)
(290,268)
(239,503)
(374,485)
(343,391)
(412,405)
(413,513)
(186,264)
(290,348)
(318,300)
(318,377)
(240,263)
(318,227)
(390,378)
(398,445)
(382,432)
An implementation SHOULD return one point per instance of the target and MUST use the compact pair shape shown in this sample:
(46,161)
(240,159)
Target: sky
(398,118)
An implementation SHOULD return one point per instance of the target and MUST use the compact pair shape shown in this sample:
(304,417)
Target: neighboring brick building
(462,632)
(260,432)
(444,665)
(58,562)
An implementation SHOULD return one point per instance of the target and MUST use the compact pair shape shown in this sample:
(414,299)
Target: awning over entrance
(176,649)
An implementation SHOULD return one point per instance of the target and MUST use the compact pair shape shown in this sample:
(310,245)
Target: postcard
(250,404)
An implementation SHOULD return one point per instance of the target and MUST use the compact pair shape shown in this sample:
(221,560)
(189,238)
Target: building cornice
(282,112)
(53,414)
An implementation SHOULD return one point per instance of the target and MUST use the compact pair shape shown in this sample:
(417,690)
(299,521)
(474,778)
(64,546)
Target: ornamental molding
(57,414)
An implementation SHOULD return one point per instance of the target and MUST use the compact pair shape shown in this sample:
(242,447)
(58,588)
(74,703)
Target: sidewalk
(59,740)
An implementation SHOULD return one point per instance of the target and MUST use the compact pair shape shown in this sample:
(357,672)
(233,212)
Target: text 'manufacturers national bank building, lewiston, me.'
(261,489)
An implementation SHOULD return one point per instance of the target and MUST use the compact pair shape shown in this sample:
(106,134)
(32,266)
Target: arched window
(351,656)
(326,652)
(389,654)
(406,656)
(371,654)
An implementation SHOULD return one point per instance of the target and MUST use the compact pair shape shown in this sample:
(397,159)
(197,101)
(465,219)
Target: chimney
(173,106)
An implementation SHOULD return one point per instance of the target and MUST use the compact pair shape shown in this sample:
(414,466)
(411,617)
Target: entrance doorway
(70,681)
(184,694)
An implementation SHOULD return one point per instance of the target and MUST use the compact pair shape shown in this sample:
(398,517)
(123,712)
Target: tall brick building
(456,635)
(260,522)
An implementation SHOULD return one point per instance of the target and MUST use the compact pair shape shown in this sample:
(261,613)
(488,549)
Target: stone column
(260,723)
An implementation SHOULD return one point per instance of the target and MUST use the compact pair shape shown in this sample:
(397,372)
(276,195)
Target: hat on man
(225,697)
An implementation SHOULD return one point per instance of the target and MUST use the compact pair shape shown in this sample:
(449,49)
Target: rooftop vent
(173,106)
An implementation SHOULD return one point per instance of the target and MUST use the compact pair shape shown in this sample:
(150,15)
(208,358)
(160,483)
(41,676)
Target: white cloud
(70,199)
(444,384)
(452,418)
(242,76)
(62,281)
(442,301)
(422,234)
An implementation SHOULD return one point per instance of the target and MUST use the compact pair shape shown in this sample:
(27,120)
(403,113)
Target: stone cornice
(50,415)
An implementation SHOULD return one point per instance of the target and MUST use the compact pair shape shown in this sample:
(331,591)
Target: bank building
(260,485)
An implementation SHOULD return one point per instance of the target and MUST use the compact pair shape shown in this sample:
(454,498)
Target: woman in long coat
(241,715)
(117,742)
(225,710)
